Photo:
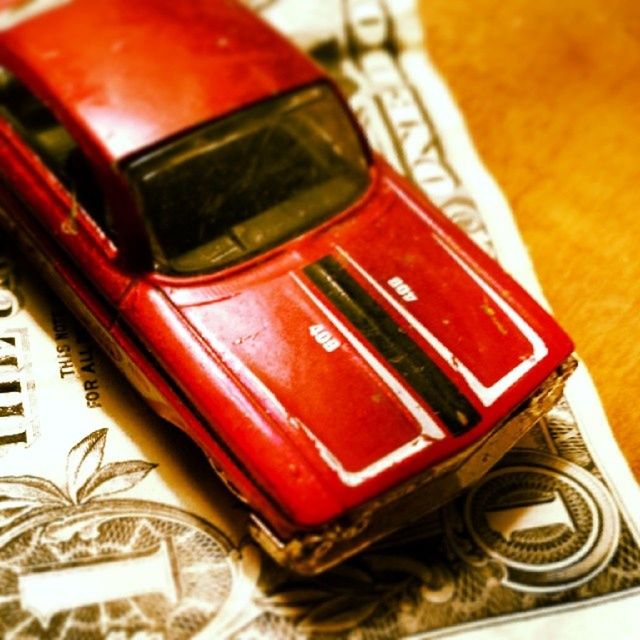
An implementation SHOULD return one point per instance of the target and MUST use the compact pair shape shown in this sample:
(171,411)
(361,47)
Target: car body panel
(357,423)
(63,236)
(111,90)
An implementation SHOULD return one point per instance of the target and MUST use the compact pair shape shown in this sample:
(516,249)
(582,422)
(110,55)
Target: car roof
(123,75)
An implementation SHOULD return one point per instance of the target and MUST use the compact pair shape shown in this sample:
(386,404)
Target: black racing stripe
(392,342)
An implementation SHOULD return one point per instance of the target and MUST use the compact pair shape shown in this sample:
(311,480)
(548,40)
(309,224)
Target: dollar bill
(112,524)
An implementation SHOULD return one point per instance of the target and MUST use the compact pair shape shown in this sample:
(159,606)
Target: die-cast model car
(198,192)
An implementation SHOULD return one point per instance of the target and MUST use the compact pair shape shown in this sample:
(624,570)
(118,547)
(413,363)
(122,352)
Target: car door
(50,198)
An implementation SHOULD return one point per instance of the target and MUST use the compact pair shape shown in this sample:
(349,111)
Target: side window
(53,144)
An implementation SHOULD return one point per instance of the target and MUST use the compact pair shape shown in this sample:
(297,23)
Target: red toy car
(200,195)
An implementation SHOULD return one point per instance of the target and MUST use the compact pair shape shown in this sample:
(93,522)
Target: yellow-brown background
(550,91)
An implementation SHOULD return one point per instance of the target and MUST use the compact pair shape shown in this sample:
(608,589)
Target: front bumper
(316,551)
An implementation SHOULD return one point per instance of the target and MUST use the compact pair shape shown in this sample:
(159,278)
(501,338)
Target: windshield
(246,183)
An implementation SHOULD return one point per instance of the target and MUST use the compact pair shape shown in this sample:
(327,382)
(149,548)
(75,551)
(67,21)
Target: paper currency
(112,524)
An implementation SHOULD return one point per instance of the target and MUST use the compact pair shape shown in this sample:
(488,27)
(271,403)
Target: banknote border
(477,629)
(580,392)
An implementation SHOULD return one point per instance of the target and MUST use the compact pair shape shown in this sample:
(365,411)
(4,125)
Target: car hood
(382,341)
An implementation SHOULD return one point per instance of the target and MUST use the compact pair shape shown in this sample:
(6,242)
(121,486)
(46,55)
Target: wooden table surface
(551,94)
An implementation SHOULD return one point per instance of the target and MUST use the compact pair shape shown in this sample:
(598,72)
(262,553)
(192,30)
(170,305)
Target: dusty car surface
(200,195)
